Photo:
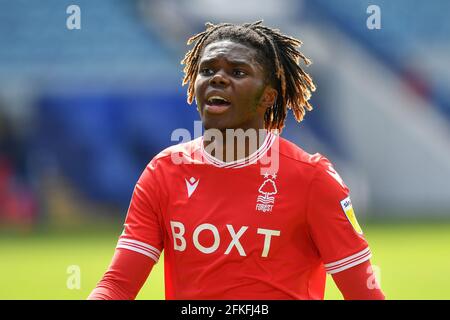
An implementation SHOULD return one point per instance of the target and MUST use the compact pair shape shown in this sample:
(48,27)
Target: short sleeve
(142,229)
(332,223)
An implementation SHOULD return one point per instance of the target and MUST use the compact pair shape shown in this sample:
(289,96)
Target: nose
(219,80)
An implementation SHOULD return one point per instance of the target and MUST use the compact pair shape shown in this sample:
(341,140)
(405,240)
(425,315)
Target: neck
(233,144)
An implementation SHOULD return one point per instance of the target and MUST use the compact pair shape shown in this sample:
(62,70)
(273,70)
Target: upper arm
(331,222)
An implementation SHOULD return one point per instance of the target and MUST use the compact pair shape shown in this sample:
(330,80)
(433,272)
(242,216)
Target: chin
(209,126)
(216,124)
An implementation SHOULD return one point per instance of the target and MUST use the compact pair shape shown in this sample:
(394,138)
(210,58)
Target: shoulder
(298,156)
(319,166)
(177,154)
(166,163)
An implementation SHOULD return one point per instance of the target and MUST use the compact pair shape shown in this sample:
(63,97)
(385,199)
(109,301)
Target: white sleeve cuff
(350,261)
(140,247)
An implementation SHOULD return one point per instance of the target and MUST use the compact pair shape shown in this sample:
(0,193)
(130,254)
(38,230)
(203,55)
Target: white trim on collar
(251,159)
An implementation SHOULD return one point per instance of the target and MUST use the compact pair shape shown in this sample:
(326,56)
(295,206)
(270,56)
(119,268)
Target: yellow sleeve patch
(346,205)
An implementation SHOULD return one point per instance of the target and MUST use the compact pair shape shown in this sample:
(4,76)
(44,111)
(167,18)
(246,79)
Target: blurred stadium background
(83,111)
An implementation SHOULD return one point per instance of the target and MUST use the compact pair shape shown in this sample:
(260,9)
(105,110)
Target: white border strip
(258,154)
(141,244)
(348,262)
(140,247)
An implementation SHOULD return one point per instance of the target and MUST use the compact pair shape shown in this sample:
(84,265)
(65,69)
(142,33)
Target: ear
(268,98)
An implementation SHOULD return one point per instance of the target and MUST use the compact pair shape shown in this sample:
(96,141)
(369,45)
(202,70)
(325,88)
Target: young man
(254,219)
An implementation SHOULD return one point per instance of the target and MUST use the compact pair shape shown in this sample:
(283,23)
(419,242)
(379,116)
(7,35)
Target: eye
(206,71)
(239,73)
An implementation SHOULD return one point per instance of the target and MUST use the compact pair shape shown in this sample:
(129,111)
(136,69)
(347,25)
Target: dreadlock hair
(275,51)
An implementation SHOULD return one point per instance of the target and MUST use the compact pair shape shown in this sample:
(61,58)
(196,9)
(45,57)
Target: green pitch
(414,262)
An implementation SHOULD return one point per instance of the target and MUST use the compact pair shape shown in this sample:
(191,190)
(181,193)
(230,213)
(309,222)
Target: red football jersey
(266,227)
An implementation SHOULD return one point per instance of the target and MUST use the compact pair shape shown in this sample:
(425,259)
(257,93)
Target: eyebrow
(233,62)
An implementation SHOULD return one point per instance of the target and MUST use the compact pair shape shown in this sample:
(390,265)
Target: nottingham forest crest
(267,190)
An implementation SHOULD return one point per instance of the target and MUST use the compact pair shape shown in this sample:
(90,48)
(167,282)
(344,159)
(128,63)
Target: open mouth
(217,105)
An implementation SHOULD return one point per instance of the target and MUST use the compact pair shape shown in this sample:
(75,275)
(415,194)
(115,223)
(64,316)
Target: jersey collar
(251,159)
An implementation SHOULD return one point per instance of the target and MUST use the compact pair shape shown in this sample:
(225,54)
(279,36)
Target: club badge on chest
(267,191)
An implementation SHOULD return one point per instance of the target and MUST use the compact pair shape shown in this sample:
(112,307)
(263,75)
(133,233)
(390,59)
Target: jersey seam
(170,155)
(307,222)
(160,215)
(300,161)
(308,195)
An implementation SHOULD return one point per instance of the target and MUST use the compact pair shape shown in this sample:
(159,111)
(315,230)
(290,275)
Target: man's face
(230,88)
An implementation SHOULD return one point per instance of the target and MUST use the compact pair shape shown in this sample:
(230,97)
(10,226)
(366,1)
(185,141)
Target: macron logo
(191,185)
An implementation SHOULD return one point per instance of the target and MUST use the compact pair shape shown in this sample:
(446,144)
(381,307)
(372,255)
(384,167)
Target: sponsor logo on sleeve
(346,205)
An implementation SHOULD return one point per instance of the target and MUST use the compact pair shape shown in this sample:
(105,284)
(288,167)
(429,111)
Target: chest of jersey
(235,212)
